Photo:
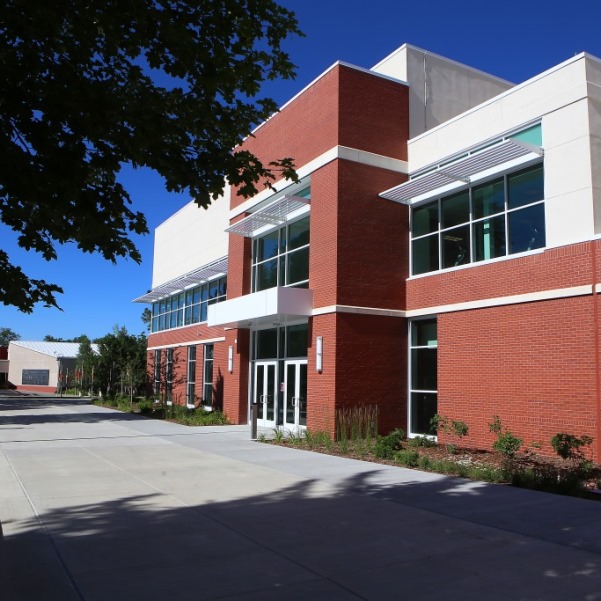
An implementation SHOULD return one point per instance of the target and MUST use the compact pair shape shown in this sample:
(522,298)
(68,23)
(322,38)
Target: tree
(7,335)
(147,318)
(86,362)
(89,86)
(121,362)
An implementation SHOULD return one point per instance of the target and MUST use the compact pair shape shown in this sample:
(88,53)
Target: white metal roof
(66,350)
(461,170)
(275,213)
(188,280)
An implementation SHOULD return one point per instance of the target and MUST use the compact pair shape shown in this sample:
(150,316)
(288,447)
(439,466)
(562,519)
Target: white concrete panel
(569,218)
(568,168)
(189,239)
(440,88)
(540,96)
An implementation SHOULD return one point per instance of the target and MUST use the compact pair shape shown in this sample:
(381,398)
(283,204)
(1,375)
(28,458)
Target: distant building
(3,365)
(40,366)
(440,254)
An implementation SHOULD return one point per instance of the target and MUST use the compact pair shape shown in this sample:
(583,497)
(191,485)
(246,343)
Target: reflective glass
(455,209)
(488,199)
(425,254)
(526,229)
(423,332)
(267,246)
(423,368)
(267,344)
(423,409)
(267,275)
(298,266)
(525,187)
(456,246)
(298,233)
(425,219)
(489,238)
(297,340)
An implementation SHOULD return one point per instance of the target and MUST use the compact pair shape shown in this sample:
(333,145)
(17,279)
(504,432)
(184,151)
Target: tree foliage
(172,85)
(121,362)
(7,335)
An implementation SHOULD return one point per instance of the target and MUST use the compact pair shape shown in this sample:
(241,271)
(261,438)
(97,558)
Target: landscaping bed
(527,469)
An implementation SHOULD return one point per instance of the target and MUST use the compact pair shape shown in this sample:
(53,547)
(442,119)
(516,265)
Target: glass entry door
(295,397)
(265,391)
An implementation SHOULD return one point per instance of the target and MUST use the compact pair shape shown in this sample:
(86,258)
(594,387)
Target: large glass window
(186,308)
(191,376)
(281,257)
(423,375)
(207,380)
(157,373)
(500,217)
(169,375)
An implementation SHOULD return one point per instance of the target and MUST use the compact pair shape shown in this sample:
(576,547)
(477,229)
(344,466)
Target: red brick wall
(344,107)
(533,364)
(235,385)
(372,239)
(364,363)
(562,267)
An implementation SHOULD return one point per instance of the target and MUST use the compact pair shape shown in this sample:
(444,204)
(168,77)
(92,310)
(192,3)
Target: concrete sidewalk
(99,505)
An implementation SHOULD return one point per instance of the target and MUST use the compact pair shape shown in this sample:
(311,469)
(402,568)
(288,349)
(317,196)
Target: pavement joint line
(223,524)
(111,437)
(42,525)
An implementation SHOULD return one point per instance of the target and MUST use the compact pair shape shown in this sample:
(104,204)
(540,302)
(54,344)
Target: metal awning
(188,280)
(462,170)
(275,213)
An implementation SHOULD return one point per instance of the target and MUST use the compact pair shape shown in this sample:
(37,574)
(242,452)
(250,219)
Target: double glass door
(295,397)
(265,392)
(281,402)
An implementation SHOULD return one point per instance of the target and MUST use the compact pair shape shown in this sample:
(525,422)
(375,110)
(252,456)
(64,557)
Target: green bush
(387,446)
(407,457)
(421,441)
(507,443)
(569,447)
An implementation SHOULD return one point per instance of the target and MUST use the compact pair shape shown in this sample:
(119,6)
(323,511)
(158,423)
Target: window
(423,375)
(191,378)
(169,375)
(207,382)
(281,257)
(187,307)
(500,217)
(157,373)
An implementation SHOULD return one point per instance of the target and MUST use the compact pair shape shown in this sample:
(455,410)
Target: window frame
(435,238)
(281,258)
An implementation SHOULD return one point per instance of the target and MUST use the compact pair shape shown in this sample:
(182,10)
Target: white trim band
(185,344)
(337,152)
(504,300)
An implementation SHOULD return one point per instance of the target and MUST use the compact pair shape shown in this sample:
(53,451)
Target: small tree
(7,336)
(507,443)
(455,429)
(569,447)
(86,363)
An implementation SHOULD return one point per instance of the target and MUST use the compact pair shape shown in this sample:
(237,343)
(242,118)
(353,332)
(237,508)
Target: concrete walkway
(97,505)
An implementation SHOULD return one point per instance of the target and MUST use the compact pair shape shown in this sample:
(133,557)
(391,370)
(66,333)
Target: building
(439,255)
(3,365)
(42,366)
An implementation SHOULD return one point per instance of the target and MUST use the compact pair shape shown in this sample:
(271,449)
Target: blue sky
(510,39)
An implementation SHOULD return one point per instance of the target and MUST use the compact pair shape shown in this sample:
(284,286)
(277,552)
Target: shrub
(407,457)
(569,447)
(421,441)
(507,443)
(456,429)
(386,446)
